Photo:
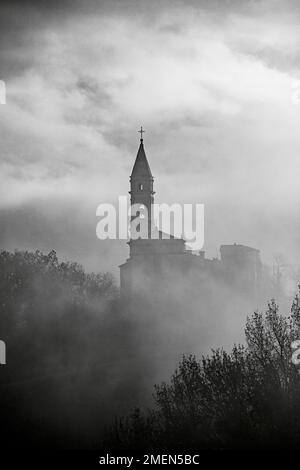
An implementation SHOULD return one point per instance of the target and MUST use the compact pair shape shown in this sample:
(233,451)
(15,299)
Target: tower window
(141,186)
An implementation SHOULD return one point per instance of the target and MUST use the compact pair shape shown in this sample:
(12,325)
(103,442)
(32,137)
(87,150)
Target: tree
(66,341)
(249,398)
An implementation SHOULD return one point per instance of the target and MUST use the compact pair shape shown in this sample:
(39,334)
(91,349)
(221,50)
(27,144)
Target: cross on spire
(141,131)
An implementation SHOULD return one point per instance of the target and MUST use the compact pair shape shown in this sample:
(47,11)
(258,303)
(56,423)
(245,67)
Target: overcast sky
(211,82)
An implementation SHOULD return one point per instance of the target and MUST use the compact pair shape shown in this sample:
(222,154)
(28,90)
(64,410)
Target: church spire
(141,183)
(141,166)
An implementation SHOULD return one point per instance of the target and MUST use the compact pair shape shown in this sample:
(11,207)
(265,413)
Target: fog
(214,97)
(212,83)
(79,356)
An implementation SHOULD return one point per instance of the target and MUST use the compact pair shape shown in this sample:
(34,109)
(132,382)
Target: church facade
(162,263)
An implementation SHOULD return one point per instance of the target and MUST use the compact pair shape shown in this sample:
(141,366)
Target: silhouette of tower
(141,184)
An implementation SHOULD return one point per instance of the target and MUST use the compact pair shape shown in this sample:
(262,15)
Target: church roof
(141,166)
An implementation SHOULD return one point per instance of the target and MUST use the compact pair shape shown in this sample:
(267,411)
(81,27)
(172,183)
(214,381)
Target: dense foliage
(67,343)
(249,398)
(77,357)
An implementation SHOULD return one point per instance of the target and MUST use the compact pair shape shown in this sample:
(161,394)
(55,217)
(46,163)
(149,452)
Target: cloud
(211,84)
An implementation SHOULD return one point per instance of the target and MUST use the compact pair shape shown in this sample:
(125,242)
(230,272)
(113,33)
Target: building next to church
(163,263)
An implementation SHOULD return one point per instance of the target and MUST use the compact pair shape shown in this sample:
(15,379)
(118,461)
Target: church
(162,263)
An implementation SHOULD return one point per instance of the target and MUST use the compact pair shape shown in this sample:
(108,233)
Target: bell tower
(141,183)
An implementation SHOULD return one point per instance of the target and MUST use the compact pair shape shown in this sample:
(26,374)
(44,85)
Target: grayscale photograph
(149,230)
